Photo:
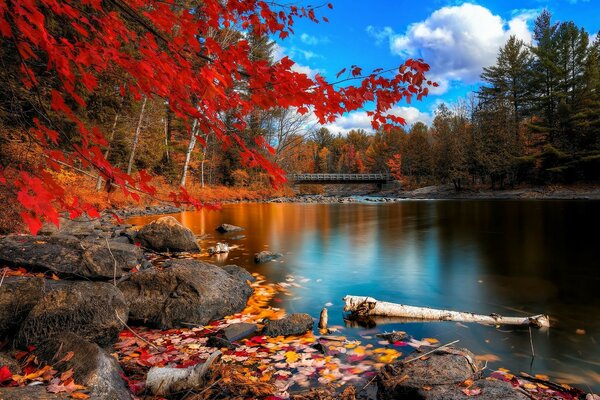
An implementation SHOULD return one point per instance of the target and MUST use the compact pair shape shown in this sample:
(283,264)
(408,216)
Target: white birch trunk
(370,306)
(163,381)
(188,154)
(167,133)
(136,137)
(107,151)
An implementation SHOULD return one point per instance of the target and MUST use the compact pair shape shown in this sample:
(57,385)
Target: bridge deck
(340,178)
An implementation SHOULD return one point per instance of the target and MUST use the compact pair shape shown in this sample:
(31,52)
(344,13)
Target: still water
(505,257)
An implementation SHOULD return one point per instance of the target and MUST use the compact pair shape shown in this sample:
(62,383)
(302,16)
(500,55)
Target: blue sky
(456,38)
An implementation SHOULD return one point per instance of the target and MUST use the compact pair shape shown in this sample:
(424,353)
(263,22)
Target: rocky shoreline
(72,295)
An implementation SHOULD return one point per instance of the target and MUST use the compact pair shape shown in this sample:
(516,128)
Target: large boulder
(92,366)
(68,256)
(293,324)
(18,296)
(438,376)
(167,234)
(184,292)
(96,311)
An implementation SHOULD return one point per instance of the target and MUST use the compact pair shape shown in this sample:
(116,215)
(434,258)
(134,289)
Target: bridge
(379,179)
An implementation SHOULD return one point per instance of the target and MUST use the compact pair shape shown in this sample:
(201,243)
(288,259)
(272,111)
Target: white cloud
(457,41)
(279,52)
(360,119)
(313,40)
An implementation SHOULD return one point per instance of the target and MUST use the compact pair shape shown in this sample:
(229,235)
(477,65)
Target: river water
(505,257)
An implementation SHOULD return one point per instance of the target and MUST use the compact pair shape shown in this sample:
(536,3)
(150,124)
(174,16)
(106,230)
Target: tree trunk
(136,137)
(167,131)
(369,306)
(188,154)
(107,151)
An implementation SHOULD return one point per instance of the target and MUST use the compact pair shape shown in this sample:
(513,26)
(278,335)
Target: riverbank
(279,364)
(447,192)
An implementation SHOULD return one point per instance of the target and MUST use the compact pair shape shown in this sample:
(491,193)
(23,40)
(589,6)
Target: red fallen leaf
(401,344)
(472,392)
(5,374)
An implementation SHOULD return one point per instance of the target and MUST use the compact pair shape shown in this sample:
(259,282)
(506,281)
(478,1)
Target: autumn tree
(57,54)
(417,160)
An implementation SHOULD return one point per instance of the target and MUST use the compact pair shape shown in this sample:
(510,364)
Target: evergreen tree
(509,79)
(544,75)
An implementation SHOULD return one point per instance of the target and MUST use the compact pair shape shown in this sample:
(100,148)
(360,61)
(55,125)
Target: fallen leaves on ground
(284,363)
(35,372)
(538,387)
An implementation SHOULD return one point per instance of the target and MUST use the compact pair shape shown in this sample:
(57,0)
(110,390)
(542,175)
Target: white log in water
(370,306)
(163,381)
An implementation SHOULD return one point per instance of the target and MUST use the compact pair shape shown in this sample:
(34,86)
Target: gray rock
(266,256)
(121,239)
(239,273)
(293,324)
(224,228)
(219,343)
(68,256)
(184,292)
(93,310)
(7,360)
(167,234)
(18,296)
(440,374)
(489,390)
(37,392)
(239,331)
(82,226)
(92,366)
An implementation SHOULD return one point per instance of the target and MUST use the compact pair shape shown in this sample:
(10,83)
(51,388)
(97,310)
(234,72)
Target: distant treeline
(535,120)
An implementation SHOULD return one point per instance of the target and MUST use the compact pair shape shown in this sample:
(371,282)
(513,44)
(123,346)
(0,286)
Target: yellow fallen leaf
(431,340)
(291,357)
(487,357)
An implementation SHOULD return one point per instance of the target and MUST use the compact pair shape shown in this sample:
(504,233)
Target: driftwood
(163,381)
(366,306)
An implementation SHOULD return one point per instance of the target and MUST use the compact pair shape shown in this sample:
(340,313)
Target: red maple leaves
(163,49)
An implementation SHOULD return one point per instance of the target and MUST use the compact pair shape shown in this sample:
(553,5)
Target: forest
(536,120)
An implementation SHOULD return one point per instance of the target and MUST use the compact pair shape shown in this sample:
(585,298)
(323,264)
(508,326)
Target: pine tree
(544,75)
(509,79)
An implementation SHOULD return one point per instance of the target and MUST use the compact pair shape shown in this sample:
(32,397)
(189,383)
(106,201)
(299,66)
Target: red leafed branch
(162,49)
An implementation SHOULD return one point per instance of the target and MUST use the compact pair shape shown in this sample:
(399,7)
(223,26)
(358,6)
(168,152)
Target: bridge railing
(340,177)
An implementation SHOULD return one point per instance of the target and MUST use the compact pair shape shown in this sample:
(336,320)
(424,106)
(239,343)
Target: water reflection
(511,257)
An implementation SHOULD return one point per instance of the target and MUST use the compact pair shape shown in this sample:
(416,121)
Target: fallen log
(367,306)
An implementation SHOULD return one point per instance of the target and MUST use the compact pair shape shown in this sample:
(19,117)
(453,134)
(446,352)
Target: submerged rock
(69,256)
(185,292)
(224,228)
(266,256)
(93,310)
(293,324)
(167,234)
(92,366)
